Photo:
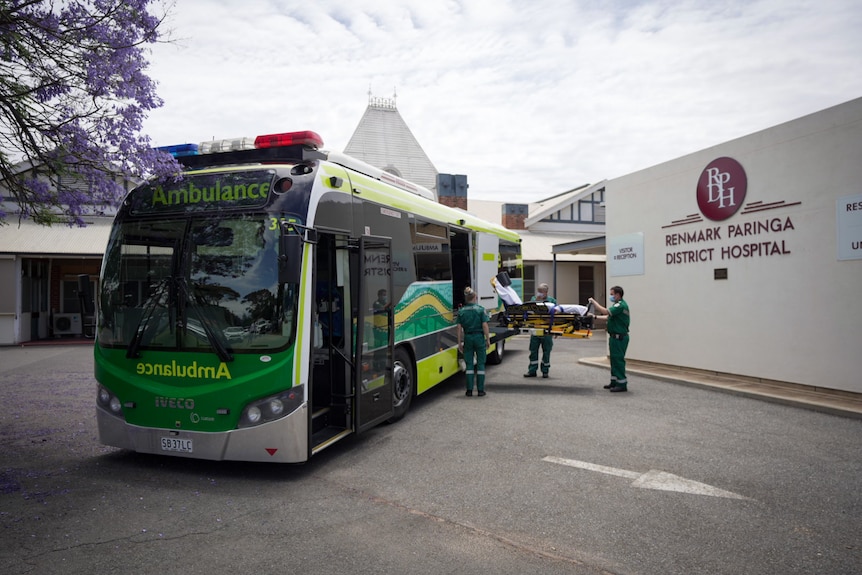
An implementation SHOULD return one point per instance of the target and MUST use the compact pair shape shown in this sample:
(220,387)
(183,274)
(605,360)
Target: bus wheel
(496,356)
(403,379)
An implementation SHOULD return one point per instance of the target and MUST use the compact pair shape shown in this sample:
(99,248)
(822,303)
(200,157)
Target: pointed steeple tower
(383,140)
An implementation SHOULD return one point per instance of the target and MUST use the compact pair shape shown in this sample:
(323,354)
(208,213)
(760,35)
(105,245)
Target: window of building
(586,282)
(34,285)
(599,214)
(589,210)
(586,211)
(71,302)
(529,281)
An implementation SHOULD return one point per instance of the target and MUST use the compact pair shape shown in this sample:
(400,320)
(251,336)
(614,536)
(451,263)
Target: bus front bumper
(282,441)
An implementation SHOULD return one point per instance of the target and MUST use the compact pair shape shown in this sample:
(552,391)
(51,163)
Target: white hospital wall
(794,317)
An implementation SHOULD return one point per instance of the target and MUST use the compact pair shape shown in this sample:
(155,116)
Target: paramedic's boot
(530,374)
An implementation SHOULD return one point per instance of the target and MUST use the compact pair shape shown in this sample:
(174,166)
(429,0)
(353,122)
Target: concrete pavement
(836,402)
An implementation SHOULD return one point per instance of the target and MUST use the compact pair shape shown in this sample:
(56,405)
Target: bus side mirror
(290,258)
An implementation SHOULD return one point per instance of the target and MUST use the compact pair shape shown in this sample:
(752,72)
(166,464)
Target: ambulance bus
(277,298)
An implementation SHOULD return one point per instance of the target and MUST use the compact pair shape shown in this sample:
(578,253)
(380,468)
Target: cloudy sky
(528,98)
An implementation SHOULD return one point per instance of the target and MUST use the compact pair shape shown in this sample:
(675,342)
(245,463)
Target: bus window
(221,283)
(431,251)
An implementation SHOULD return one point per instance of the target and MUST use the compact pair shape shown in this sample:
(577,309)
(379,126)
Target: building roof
(30,238)
(537,246)
(544,208)
(383,140)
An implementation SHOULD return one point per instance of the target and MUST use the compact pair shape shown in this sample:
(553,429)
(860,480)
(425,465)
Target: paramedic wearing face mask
(617,314)
(546,342)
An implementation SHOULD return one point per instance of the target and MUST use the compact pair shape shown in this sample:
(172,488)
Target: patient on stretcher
(507,294)
(511,297)
(567,308)
(502,284)
(584,317)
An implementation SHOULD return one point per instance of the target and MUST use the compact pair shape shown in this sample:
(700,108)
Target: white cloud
(526,98)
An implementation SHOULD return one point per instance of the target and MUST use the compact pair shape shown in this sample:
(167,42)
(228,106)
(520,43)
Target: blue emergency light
(180,150)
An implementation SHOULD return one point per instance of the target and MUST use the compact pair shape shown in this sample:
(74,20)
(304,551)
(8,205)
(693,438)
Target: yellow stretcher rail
(536,318)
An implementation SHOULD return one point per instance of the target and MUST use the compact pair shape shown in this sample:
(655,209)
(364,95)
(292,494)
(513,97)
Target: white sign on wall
(849,223)
(625,255)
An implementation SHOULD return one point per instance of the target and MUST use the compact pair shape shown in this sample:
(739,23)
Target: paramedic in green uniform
(473,338)
(618,333)
(546,342)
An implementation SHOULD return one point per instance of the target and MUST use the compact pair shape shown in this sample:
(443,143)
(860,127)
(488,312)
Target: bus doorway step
(326,437)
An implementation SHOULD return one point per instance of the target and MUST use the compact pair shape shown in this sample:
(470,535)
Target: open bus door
(374,334)
(487,263)
(487,267)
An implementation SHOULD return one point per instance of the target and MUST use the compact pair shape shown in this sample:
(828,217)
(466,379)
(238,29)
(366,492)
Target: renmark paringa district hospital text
(736,251)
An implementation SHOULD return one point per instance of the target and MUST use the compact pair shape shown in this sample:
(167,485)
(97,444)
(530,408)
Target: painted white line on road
(593,467)
(652,479)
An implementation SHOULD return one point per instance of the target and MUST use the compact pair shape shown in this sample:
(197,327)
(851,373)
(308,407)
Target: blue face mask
(612,299)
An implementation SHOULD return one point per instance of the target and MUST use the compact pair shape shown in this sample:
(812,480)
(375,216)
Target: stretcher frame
(536,318)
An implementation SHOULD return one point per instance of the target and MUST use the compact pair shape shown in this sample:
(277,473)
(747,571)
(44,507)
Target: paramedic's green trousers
(474,344)
(617,348)
(547,344)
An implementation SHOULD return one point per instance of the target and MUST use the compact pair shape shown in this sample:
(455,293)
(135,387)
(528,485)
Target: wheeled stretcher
(541,318)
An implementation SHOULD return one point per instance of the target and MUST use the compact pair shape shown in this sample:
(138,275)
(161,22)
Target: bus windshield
(200,283)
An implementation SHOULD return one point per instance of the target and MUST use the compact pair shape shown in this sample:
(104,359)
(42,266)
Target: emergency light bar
(288,146)
(305,138)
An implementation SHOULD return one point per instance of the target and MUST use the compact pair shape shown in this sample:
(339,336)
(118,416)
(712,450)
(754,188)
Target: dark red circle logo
(721,189)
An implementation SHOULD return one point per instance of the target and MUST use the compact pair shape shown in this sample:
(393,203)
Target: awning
(31,239)
(592,246)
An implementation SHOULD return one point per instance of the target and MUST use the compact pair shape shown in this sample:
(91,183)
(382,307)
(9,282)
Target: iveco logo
(175,403)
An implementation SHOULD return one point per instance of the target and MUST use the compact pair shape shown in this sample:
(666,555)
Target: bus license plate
(176,444)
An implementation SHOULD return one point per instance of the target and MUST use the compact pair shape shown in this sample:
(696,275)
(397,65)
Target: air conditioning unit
(67,324)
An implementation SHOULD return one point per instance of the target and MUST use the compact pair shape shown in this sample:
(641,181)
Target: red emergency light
(304,138)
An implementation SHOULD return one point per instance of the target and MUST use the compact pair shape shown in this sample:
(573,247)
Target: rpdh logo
(721,189)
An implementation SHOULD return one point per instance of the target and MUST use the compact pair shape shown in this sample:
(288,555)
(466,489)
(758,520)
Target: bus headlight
(109,401)
(271,408)
(252,414)
(276,407)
